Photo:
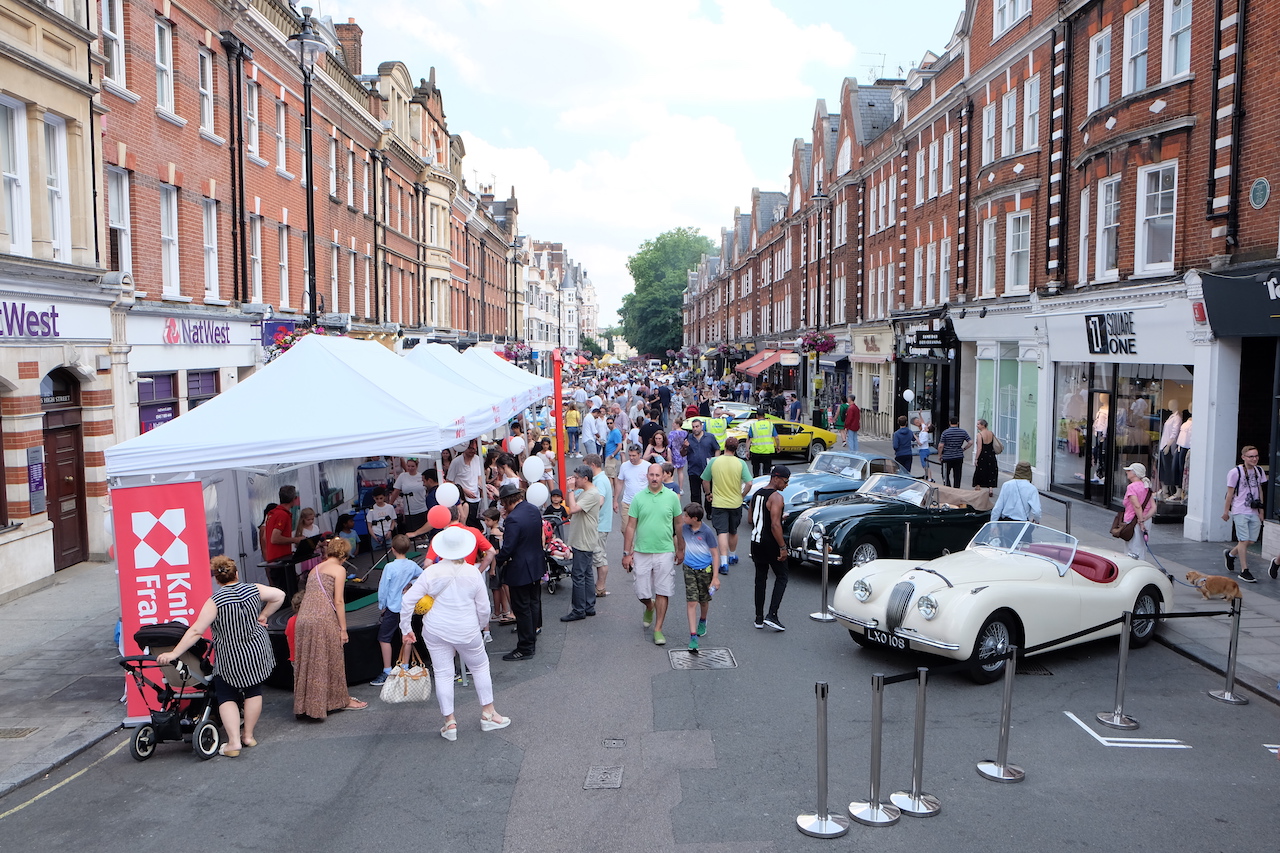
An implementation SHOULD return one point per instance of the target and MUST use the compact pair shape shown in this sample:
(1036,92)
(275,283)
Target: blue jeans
(574,433)
(852,440)
(584,583)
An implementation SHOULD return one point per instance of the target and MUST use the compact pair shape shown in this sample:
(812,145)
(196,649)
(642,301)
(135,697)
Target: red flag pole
(557,360)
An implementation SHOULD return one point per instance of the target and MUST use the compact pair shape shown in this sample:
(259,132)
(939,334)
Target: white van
(655,364)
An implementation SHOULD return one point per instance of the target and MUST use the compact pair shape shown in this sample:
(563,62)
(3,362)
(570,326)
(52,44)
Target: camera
(1257,504)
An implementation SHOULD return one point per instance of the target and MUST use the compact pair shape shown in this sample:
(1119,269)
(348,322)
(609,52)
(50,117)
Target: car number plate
(886,639)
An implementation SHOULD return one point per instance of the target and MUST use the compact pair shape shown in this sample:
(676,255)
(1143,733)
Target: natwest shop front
(177,360)
(1132,373)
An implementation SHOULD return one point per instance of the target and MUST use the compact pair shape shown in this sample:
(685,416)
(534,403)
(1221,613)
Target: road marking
(1133,742)
(70,778)
(1273,748)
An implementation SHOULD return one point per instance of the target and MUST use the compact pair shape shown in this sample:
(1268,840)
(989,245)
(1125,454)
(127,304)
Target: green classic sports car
(872,523)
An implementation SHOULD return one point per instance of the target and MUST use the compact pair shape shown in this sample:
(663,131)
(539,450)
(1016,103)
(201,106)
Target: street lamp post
(820,310)
(309,49)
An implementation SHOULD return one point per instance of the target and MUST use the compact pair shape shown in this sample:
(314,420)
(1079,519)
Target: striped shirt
(242,649)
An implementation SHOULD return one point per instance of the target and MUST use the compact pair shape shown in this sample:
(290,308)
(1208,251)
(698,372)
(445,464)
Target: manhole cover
(16,733)
(704,659)
(1031,668)
(603,777)
(613,743)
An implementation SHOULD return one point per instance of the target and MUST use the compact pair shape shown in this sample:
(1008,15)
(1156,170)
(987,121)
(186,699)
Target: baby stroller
(559,556)
(183,693)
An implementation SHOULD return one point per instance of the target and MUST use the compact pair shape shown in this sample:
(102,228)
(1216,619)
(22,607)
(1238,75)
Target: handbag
(996,444)
(1120,529)
(409,680)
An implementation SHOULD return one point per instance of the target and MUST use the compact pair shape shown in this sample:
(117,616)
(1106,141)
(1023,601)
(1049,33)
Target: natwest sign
(196,332)
(25,319)
(28,320)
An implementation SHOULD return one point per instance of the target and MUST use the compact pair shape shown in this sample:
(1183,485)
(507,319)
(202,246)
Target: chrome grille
(800,532)
(899,601)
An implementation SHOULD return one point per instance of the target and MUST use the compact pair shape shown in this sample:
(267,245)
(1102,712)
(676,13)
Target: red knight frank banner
(162,551)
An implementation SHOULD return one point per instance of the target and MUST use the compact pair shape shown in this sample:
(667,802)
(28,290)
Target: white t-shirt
(414,491)
(634,478)
(469,475)
(380,519)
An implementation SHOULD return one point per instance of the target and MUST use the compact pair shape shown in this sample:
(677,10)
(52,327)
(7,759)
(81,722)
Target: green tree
(652,319)
(592,346)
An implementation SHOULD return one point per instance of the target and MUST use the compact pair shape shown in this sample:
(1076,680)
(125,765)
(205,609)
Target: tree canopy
(592,346)
(652,317)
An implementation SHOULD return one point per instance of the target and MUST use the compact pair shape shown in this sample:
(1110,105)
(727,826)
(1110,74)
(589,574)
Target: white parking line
(1273,748)
(1132,742)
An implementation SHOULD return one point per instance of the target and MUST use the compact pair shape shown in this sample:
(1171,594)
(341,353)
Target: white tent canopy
(541,387)
(445,361)
(326,398)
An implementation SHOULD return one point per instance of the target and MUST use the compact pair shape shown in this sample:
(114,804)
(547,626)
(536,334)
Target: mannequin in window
(1181,453)
(1100,419)
(1167,468)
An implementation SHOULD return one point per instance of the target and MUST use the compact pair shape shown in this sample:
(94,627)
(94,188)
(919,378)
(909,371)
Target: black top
(521,554)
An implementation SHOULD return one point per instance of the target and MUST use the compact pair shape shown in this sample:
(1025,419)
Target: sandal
(507,619)
(493,722)
(229,753)
(356,705)
(601,593)
(449,731)
(248,741)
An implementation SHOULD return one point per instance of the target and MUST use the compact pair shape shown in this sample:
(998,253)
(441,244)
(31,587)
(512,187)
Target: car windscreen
(895,488)
(853,467)
(1026,538)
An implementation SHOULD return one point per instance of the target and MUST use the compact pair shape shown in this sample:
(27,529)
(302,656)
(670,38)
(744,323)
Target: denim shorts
(1248,526)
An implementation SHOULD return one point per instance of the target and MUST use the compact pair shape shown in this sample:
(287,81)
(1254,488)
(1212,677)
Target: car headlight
(861,589)
(802,497)
(928,606)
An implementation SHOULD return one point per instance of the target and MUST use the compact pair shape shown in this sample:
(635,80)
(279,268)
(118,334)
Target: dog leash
(1159,564)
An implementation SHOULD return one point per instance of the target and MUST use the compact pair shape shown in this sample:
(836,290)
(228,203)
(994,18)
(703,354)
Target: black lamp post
(309,49)
(823,309)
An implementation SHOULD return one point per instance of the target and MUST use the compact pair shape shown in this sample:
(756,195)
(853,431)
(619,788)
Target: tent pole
(557,404)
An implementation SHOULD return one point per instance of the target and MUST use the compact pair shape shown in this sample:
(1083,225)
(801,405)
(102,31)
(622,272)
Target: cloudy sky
(618,121)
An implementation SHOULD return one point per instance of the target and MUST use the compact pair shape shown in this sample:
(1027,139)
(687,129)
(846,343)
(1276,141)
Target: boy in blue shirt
(396,577)
(701,552)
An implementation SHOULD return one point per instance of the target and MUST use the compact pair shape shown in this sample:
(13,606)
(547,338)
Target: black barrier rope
(942,670)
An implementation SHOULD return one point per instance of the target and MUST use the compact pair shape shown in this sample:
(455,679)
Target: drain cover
(704,659)
(603,777)
(16,733)
(613,743)
(1032,668)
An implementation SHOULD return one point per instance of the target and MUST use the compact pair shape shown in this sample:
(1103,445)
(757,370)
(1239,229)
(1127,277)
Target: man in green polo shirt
(651,547)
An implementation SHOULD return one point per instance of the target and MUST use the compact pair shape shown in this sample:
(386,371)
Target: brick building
(1059,224)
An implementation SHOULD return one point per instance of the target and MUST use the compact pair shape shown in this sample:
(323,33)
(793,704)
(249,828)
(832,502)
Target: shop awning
(762,363)
(746,365)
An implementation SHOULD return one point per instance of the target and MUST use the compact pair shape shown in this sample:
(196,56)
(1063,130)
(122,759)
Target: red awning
(760,365)
(748,364)
(581,360)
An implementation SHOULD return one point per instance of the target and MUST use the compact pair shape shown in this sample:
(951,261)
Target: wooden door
(64,472)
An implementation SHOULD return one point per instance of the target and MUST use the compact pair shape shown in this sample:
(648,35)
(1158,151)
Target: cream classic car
(1017,583)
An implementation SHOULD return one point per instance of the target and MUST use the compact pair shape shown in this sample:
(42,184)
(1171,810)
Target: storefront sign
(151,416)
(30,320)
(271,328)
(927,340)
(1243,306)
(1111,333)
(196,332)
(1140,334)
(162,556)
(35,479)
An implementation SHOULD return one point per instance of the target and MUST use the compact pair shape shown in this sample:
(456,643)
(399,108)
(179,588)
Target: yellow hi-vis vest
(762,437)
(717,427)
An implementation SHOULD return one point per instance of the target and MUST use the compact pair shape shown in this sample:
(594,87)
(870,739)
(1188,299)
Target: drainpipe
(93,146)
(1210,181)
(232,45)
(1237,115)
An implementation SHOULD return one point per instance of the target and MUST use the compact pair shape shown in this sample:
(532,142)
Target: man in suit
(521,565)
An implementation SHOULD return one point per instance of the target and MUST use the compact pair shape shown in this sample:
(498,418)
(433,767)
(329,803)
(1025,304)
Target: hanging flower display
(518,351)
(819,342)
(283,340)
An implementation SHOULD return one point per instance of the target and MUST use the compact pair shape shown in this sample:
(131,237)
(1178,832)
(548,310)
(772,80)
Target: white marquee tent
(541,387)
(511,395)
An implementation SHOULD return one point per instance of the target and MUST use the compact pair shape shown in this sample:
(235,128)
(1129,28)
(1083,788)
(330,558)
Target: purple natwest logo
(17,322)
(196,332)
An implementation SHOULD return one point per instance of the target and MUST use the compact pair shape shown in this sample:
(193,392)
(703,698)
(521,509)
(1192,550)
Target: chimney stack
(350,35)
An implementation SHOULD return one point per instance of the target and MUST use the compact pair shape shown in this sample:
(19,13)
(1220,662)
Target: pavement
(60,684)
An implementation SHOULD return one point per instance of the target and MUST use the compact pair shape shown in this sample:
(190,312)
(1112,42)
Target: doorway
(64,467)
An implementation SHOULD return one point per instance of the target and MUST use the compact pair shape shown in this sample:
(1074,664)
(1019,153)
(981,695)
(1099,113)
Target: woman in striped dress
(238,613)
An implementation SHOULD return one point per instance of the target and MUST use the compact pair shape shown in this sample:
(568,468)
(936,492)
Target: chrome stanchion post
(1068,524)
(916,803)
(873,812)
(1229,695)
(1117,719)
(822,824)
(906,541)
(824,615)
(1001,770)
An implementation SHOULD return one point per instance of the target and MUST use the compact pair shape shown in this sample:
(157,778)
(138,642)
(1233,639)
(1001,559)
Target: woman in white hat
(452,625)
(1138,504)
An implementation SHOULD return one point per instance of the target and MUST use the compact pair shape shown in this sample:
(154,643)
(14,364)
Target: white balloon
(447,494)
(533,469)
(908,395)
(538,494)
(515,445)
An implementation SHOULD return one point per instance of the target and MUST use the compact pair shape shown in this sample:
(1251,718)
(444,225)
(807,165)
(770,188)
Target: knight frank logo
(160,538)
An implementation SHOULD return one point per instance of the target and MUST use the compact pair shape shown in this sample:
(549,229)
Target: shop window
(157,399)
(202,386)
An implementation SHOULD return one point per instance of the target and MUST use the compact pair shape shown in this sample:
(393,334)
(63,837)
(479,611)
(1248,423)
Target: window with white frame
(119,241)
(282,260)
(1017,262)
(170,271)
(55,180)
(1157,197)
(933,167)
(368,276)
(333,167)
(1082,272)
(920,176)
(351,282)
(365,187)
(251,120)
(1009,131)
(206,89)
(1134,75)
(1006,13)
(209,211)
(948,154)
(333,278)
(282,136)
(304,139)
(931,275)
(351,178)
(113,41)
(164,65)
(988,133)
(944,271)
(433,225)
(1031,113)
(917,290)
(1177,38)
(255,258)
(304,292)
(989,257)
(1100,70)
(1108,250)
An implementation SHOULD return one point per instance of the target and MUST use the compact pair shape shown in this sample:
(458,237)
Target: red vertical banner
(557,384)
(162,553)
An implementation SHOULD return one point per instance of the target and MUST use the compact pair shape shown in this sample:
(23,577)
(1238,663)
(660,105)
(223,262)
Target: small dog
(1214,586)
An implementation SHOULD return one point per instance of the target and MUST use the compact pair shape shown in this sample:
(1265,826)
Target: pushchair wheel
(143,745)
(206,740)
(551,586)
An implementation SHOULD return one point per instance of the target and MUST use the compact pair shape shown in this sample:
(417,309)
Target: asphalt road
(718,760)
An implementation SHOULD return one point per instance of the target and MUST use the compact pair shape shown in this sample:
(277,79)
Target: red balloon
(439,517)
